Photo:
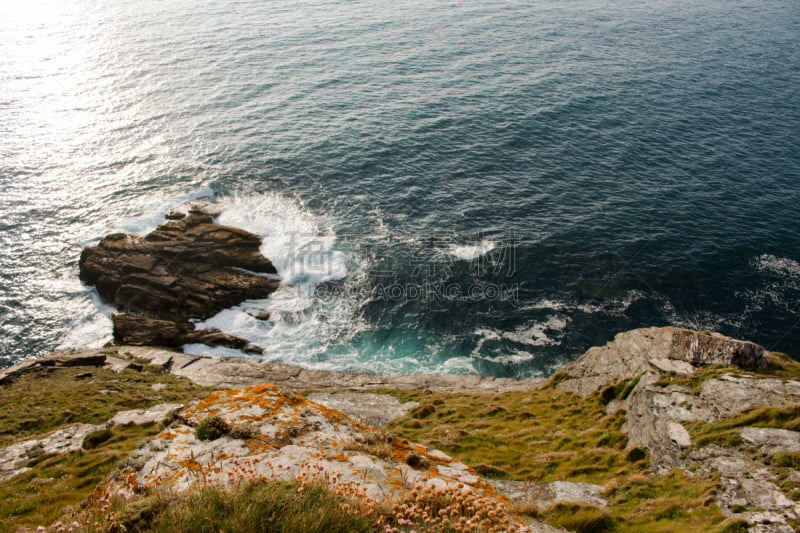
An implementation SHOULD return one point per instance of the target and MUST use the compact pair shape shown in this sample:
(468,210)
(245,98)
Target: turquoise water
(483,187)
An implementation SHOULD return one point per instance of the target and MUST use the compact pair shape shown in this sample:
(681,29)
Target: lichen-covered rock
(272,434)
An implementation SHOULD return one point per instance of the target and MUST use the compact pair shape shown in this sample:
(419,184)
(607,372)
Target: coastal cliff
(661,429)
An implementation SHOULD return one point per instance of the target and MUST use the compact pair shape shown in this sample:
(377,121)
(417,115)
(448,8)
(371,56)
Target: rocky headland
(661,429)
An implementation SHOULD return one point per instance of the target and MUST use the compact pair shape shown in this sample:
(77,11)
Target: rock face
(276,435)
(187,268)
(657,350)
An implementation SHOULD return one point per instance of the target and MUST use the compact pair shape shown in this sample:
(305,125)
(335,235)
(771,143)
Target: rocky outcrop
(271,435)
(187,268)
(656,350)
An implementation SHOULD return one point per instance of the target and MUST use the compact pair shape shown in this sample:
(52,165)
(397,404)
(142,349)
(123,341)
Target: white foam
(470,252)
(157,209)
(778,265)
(302,325)
(93,330)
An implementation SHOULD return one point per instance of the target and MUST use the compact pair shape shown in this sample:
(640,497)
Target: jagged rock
(372,409)
(154,414)
(145,331)
(260,315)
(636,352)
(66,358)
(187,268)
(274,435)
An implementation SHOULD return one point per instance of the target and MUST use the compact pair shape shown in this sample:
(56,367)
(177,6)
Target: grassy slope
(42,401)
(549,435)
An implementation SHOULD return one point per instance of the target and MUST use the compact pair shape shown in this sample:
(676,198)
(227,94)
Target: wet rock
(187,268)
(145,331)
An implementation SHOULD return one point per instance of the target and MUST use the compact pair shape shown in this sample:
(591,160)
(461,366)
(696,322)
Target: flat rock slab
(547,494)
(152,415)
(772,440)
(69,439)
(375,410)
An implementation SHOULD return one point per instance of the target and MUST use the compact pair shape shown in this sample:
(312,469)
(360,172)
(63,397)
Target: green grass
(549,435)
(42,401)
(56,482)
(726,432)
(252,507)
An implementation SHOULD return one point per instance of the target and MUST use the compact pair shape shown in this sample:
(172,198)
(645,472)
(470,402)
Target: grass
(544,435)
(302,505)
(56,482)
(42,401)
(726,431)
(259,506)
(548,435)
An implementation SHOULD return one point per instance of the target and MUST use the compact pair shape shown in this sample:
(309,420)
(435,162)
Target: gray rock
(678,434)
(372,409)
(154,414)
(772,440)
(732,394)
(633,353)
(241,372)
(69,439)
(544,495)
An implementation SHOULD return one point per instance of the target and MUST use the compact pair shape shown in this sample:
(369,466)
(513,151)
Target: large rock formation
(656,350)
(187,268)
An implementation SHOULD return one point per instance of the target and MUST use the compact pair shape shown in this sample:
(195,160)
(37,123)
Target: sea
(467,186)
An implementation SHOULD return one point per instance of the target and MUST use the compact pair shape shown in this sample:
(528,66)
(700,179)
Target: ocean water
(486,187)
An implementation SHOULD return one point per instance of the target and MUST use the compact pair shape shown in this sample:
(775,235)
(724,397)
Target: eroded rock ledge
(235,372)
(187,268)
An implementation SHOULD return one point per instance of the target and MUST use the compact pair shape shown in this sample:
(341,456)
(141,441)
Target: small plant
(212,428)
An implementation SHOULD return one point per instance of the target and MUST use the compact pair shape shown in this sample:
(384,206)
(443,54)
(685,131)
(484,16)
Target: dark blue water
(476,186)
